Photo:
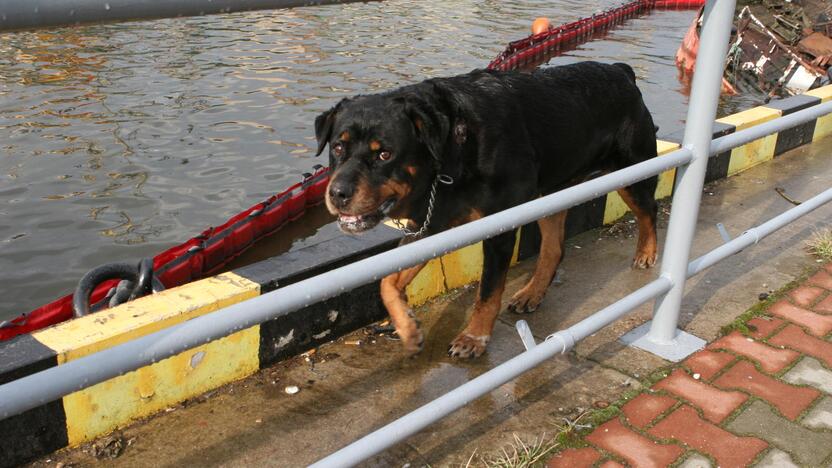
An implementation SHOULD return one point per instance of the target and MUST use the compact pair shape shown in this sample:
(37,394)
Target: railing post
(663,338)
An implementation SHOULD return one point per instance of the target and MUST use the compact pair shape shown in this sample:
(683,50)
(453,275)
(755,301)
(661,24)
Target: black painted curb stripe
(796,136)
(40,430)
(717,165)
(319,323)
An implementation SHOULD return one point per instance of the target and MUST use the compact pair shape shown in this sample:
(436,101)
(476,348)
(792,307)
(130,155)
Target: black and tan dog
(503,138)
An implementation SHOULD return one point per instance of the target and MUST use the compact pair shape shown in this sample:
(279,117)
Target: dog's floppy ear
(323,126)
(433,126)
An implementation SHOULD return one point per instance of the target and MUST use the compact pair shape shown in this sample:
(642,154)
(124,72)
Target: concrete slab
(810,371)
(346,391)
(696,461)
(821,415)
(805,446)
(776,459)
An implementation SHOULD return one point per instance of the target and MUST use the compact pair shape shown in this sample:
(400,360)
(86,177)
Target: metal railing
(45,386)
(27,14)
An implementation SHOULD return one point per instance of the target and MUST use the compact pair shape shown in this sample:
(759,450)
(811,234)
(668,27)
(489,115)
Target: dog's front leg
(497,253)
(395,300)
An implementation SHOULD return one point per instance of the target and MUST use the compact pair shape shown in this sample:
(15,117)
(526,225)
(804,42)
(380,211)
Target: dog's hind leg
(639,197)
(395,300)
(497,253)
(552,236)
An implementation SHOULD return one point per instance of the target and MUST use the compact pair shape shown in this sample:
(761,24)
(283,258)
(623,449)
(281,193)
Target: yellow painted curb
(615,207)
(757,151)
(463,266)
(103,407)
(823,125)
(429,283)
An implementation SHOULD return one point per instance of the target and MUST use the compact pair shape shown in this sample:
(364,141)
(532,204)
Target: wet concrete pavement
(347,391)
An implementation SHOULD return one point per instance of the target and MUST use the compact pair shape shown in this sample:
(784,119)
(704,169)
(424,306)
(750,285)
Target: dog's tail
(628,70)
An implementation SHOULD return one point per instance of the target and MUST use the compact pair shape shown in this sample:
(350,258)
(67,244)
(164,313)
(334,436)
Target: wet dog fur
(504,138)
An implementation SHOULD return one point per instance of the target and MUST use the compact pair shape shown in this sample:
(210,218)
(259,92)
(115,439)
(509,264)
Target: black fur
(505,138)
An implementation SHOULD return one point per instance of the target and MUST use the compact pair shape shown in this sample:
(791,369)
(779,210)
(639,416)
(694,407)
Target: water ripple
(121,140)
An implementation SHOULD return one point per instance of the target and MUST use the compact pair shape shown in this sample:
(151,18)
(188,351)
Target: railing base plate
(683,345)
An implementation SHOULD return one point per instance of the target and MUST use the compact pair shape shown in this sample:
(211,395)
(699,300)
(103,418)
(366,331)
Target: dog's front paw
(412,339)
(468,346)
(526,300)
(644,259)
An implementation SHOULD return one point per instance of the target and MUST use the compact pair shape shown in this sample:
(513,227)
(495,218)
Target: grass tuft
(820,245)
(521,454)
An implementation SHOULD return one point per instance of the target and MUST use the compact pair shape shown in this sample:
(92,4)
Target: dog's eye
(385,155)
(338,150)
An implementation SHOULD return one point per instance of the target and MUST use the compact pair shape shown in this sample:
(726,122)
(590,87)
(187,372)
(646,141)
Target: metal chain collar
(443,178)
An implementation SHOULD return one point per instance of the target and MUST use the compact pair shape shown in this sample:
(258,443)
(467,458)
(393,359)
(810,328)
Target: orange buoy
(540,25)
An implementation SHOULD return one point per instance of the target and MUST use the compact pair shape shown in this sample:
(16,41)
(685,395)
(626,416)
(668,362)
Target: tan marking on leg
(472,215)
(474,339)
(530,296)
(647,246)
(401,315)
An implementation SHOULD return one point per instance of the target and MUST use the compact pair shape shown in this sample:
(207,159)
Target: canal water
(119,141)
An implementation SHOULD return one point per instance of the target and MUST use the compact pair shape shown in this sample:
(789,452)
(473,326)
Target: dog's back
(576,119)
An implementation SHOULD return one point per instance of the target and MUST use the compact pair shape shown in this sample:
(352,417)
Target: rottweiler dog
(447,151)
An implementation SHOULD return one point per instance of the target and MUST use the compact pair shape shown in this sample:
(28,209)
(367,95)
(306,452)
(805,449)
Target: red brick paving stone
(635,448)
(772,360)
(824,306)
(707,363)
(611,464)
(574,458)
(716,404)
(685,425)
(794,337)
(805,296)
(763,326)
(789,399)
(822,279)
(818,324)
(646,407)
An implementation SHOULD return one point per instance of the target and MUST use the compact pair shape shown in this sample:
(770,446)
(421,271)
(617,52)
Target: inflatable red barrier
(201,256)
(538,48)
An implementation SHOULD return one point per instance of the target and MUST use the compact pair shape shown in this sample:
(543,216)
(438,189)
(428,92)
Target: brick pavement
(761,397)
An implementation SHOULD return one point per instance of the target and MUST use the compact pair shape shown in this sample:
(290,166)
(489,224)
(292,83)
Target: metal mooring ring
(140,275)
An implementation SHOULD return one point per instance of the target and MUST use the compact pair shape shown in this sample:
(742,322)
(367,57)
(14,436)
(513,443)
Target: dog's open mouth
(363,222)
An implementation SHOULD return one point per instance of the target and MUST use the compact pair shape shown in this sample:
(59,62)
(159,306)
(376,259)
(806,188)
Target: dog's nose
(340,193)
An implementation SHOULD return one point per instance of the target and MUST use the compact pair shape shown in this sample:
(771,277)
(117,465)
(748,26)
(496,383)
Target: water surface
(118,141)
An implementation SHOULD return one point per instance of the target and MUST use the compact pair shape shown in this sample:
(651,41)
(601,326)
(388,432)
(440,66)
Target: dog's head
(384,152)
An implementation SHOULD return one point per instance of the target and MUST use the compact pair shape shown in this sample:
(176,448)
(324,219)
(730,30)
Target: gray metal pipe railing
(756,234)
(437,409)
(559,342)
(733,140)
(707,83)
(27,14)
(37,389)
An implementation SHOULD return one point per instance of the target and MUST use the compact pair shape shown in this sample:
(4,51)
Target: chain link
(407,232)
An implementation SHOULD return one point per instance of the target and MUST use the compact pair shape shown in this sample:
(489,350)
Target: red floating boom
(201,256)
(527,53)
